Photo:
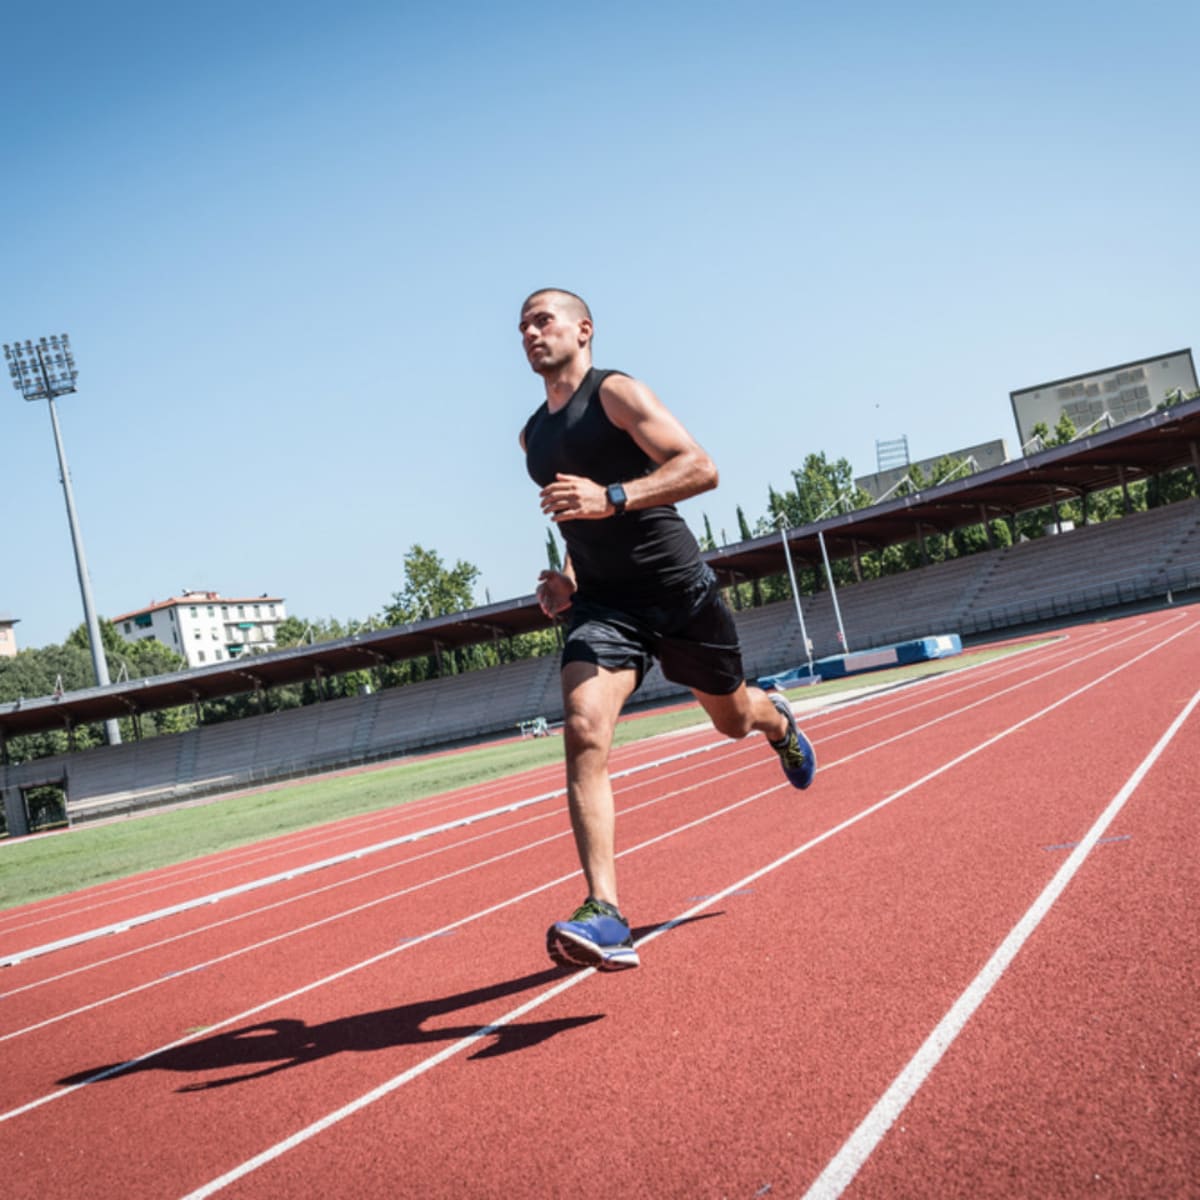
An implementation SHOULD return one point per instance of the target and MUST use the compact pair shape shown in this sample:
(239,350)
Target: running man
(612,462)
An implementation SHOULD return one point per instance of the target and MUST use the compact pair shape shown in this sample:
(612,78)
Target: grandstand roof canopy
(1135,450)
(1148,446)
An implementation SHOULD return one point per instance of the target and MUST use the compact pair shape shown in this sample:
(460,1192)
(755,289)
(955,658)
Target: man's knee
(584,733)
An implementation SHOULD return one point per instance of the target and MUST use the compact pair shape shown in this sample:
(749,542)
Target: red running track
(964,964)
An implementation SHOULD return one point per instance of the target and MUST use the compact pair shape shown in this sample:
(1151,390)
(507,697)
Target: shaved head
(576,306)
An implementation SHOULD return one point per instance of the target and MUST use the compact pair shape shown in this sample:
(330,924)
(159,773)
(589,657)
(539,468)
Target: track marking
(353,968)
(398,1081)
(858,1147)
(119,891)
(342,914)
(464,796)
(122,926)
(721,743)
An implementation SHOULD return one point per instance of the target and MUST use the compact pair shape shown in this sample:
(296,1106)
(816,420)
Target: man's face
(552,332)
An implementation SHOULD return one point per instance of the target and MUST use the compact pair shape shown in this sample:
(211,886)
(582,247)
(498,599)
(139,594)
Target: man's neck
(564,383)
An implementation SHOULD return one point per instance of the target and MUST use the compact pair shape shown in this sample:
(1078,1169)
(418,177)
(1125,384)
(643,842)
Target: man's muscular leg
(743,711)
(592,700)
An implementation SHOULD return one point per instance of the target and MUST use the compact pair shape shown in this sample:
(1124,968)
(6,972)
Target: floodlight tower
(43,371)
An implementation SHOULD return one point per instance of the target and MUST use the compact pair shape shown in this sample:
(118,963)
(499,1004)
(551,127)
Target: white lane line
(127,923)
(398,1081)
(391,1085)
(858,1147)
(119,891)
(408,944)
(471,794)
(374,902)
(732,753)
(736,749)
(995,695)
(305,928)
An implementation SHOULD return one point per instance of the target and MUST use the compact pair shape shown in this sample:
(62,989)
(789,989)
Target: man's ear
(585,331)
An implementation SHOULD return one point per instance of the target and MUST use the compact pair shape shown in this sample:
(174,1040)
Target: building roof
(190,598)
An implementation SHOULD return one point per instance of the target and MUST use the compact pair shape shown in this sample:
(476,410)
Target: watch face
(616,496)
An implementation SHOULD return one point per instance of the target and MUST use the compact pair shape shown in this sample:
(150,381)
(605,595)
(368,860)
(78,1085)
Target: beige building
(8,636)
(206,627)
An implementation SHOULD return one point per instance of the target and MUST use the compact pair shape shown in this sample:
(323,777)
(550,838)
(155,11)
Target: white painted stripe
(662,762)
(858,1147)
(834,708)
(384,1089)
(344,913)
(12,1113)
(398,1081)
(371,961)
(128,923)
(345,881)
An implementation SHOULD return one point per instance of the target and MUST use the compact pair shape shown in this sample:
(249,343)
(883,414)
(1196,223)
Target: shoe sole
(568,951)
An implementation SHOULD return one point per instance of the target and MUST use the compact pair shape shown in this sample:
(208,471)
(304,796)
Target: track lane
(764,1060)
(161,972)
(719,850)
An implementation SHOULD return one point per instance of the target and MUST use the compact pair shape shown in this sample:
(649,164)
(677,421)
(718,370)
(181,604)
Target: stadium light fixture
(45,370)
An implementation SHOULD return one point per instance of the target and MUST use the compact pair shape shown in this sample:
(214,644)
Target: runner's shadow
(255,1051)
(640,931)
(279,1045)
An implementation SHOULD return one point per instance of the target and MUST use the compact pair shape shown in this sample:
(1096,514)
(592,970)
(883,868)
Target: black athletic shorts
(691,633)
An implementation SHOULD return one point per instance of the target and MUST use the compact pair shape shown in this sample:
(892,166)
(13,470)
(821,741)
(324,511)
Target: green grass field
(52,864)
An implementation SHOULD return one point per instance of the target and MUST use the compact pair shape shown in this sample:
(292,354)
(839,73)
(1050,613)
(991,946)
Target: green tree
(48,670)
(431,589)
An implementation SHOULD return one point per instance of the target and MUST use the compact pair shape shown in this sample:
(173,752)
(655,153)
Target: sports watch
(616,497)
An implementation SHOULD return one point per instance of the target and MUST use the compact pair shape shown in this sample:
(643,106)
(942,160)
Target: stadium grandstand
(1142,558)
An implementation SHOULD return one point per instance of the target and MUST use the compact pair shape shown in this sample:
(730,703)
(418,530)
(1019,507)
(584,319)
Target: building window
(200,655)
(241,610)
(195,612)
(212,612)
(224,610)
(196,635)
(128,627)
(272,609)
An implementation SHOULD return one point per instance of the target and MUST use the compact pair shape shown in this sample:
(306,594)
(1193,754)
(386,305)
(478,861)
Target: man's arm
(682,468)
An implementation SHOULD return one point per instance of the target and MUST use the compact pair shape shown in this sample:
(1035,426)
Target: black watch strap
(617,497)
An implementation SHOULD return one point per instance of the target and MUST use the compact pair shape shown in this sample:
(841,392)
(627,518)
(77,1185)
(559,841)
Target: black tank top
(637,558)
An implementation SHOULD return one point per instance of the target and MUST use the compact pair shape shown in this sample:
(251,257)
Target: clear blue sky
(289,241)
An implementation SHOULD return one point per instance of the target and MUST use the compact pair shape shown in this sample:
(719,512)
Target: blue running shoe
(796,754)
(595,936)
